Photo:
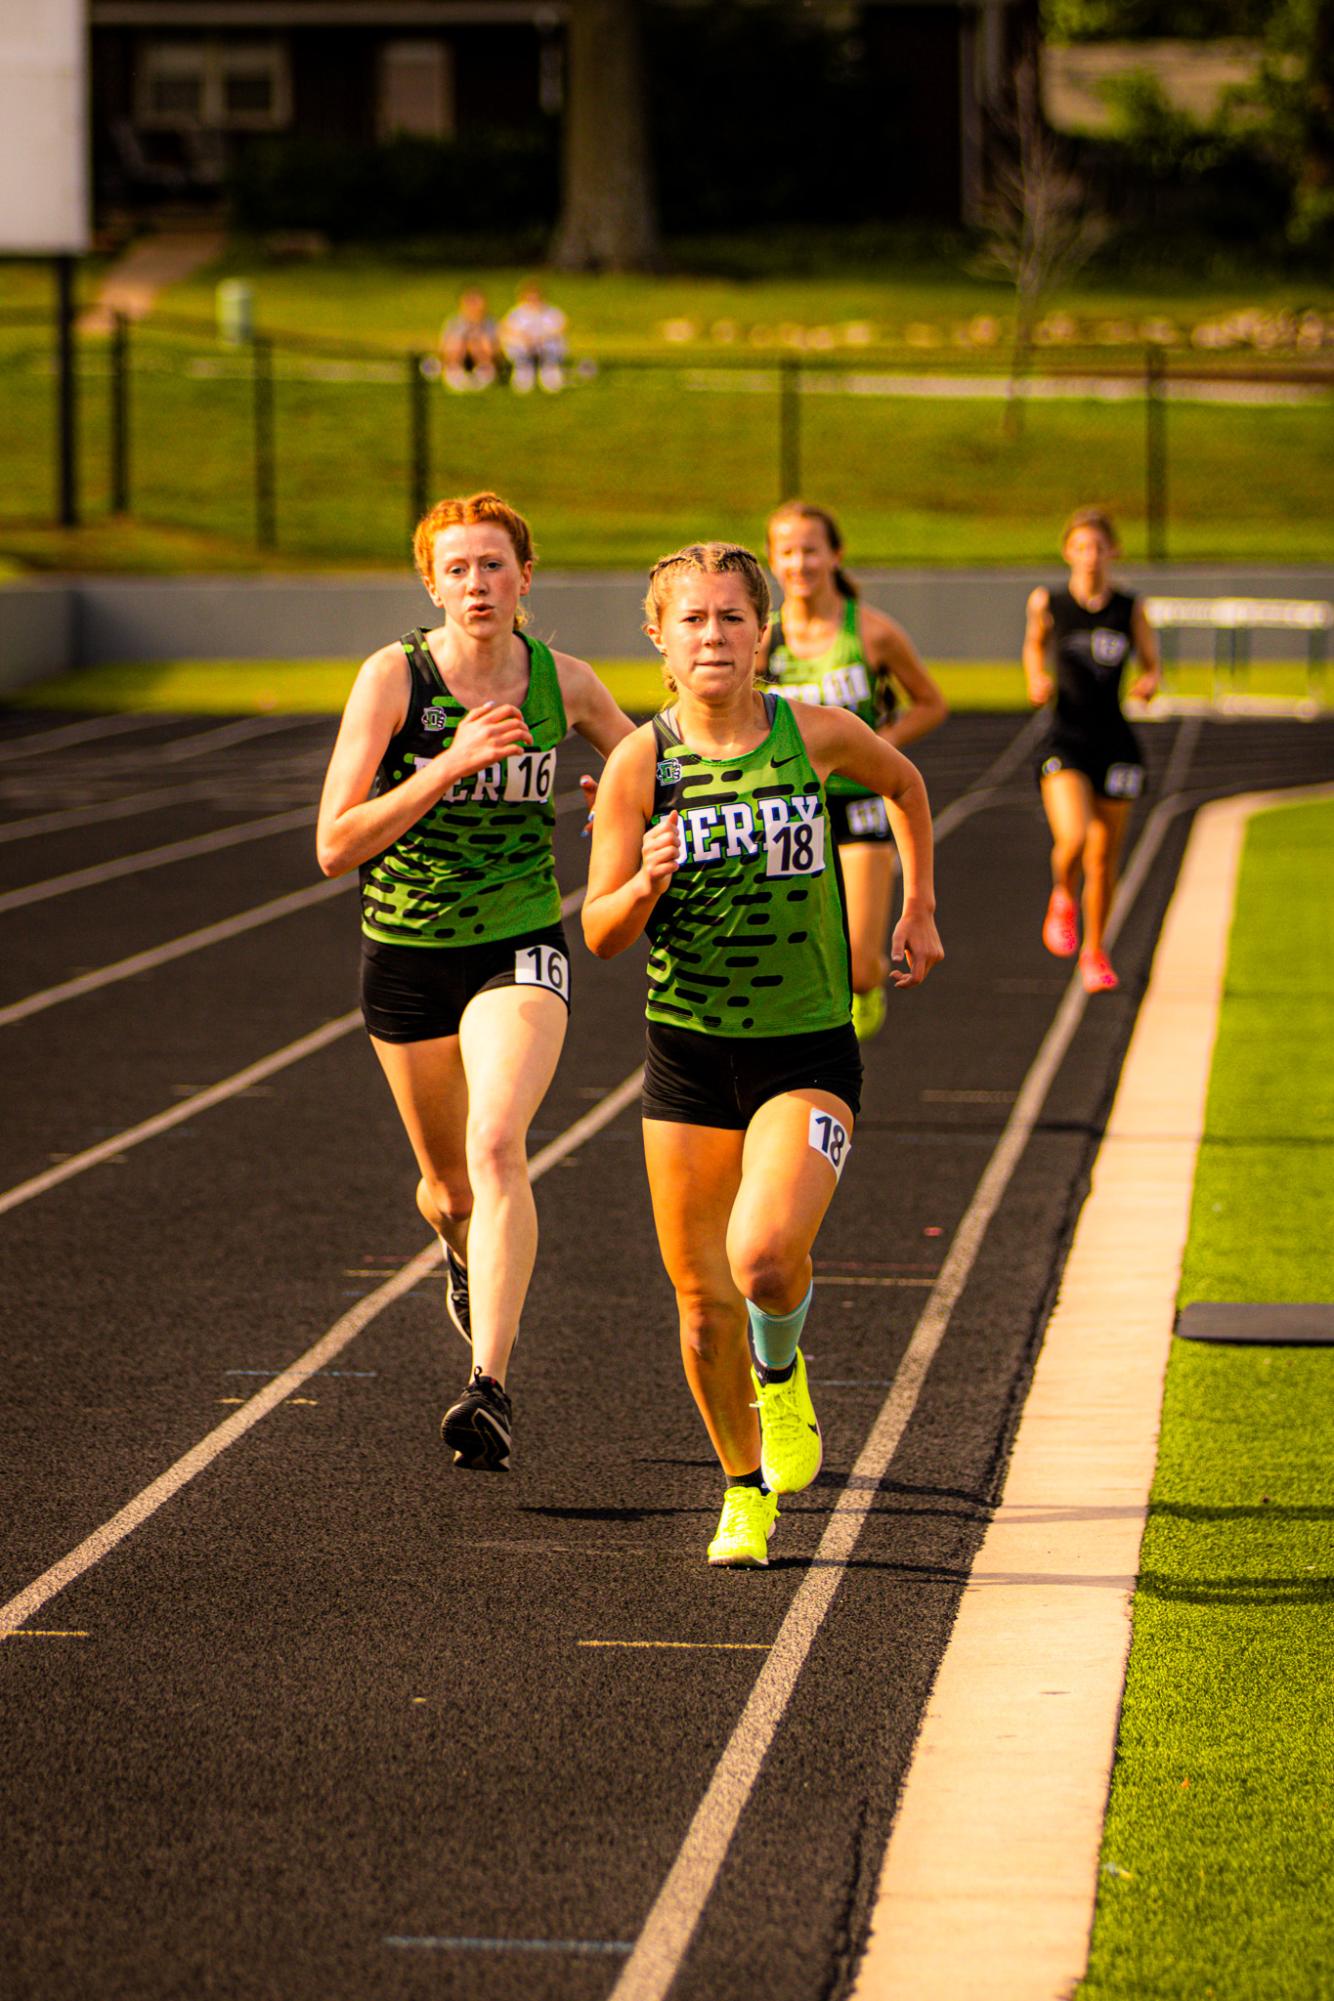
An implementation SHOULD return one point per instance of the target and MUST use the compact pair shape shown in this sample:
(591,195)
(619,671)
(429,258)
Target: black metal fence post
(266,512)
(120,414)
(1155,453)
(419,441)
(789,428)
(67,398)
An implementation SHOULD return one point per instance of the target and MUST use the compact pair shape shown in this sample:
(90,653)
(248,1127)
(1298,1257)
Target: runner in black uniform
(440,791)
(1089,764)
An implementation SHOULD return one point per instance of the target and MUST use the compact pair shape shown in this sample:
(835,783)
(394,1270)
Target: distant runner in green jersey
(441,793)
(825,646)
(713,835)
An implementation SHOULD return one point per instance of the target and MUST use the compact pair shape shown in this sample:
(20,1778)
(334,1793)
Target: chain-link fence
(328,450)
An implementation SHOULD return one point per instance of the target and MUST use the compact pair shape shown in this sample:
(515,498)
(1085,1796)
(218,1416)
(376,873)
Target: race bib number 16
(542,966)
(529,776)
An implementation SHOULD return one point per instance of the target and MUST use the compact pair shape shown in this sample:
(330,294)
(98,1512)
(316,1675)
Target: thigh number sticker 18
(831,1139)
(542,966)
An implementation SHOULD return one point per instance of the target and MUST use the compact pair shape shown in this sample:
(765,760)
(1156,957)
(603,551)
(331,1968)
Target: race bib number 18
(830,1138)
(796,848)
(542,966)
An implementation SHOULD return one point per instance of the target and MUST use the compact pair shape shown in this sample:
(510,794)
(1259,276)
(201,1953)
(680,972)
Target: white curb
(989,1882)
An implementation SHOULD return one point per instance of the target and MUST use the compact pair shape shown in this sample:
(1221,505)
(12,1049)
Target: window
(416,90)
(221,85)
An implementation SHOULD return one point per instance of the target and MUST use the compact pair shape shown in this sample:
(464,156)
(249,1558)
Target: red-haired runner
(440,792)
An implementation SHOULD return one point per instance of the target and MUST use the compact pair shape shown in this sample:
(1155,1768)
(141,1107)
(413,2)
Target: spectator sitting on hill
(532,334)
(470,344)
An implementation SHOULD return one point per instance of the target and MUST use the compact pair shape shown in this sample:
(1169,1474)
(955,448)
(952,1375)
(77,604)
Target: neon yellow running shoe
(744,1529)
(868,1013)
(791,1449)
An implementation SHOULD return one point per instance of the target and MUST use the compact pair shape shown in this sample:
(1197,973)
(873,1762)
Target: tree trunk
(608,221)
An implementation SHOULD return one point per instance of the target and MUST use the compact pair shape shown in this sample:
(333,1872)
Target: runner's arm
(1037,631)
(836,740)
(353,827)
(889,649)
(631,863)
(1149,678)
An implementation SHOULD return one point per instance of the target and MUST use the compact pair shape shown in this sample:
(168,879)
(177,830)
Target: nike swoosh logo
(795,758)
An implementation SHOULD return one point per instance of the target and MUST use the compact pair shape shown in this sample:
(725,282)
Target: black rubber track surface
(334,1696)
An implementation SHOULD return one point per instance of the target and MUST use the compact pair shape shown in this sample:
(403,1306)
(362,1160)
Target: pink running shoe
(1060,932)
(1095,970)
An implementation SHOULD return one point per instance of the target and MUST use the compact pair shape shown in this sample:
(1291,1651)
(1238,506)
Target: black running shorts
(416,993)
(860,821)
(722,1080)
(1114,771)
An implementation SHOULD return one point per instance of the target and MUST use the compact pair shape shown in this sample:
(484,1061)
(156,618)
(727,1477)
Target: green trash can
(236,312)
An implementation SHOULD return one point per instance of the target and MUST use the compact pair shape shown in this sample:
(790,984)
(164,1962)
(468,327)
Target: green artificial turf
(631,461)
(1218,1852)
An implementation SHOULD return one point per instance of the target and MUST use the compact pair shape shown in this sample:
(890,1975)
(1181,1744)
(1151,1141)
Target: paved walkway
(990,1880)
(148,267)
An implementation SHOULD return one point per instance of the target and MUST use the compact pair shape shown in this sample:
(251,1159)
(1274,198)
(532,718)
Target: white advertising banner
(43,127)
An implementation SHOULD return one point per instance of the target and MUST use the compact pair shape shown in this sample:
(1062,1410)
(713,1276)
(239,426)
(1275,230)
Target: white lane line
(151,858)
(201,1101)
(188,1108)
(75,733)
(580,1947)
(990,1880)
(344,1330)
(175,948)
(110,809)
(221,736)
(679,1905)
(195,941)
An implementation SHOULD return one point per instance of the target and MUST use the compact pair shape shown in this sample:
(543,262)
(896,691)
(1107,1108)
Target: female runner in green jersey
(713,836)
(440,791)
(825,646)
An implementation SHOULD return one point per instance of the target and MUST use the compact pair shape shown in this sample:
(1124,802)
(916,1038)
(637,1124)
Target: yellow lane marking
(726,1646)
(834,1279)
(37,1633)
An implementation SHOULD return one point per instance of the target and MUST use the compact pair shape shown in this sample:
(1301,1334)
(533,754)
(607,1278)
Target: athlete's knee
(710,1324)
(869,969)
(1098,845)
(771,1273)
(496,1151)
(444,1198)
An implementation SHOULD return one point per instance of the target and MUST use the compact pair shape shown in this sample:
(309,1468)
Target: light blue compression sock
(774,1337)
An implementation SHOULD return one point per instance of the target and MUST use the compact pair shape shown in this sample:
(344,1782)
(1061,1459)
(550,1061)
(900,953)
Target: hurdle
(1232,621)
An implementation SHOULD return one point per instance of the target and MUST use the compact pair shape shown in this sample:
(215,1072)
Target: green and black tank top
(478,866)
(839,678)
(750,936)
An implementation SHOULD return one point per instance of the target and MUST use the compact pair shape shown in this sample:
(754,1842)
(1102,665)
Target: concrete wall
(48,627)
(38,632)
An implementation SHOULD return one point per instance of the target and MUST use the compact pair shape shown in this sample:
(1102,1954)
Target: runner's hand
(661,857)
(916,944)
(589,787)
(488,735)
(1040,690)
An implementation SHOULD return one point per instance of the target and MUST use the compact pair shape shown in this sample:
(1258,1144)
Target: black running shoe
(456,1293)
(477,1428)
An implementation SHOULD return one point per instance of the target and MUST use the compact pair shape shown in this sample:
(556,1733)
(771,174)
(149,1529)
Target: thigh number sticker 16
(831,1139)
(542,966)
